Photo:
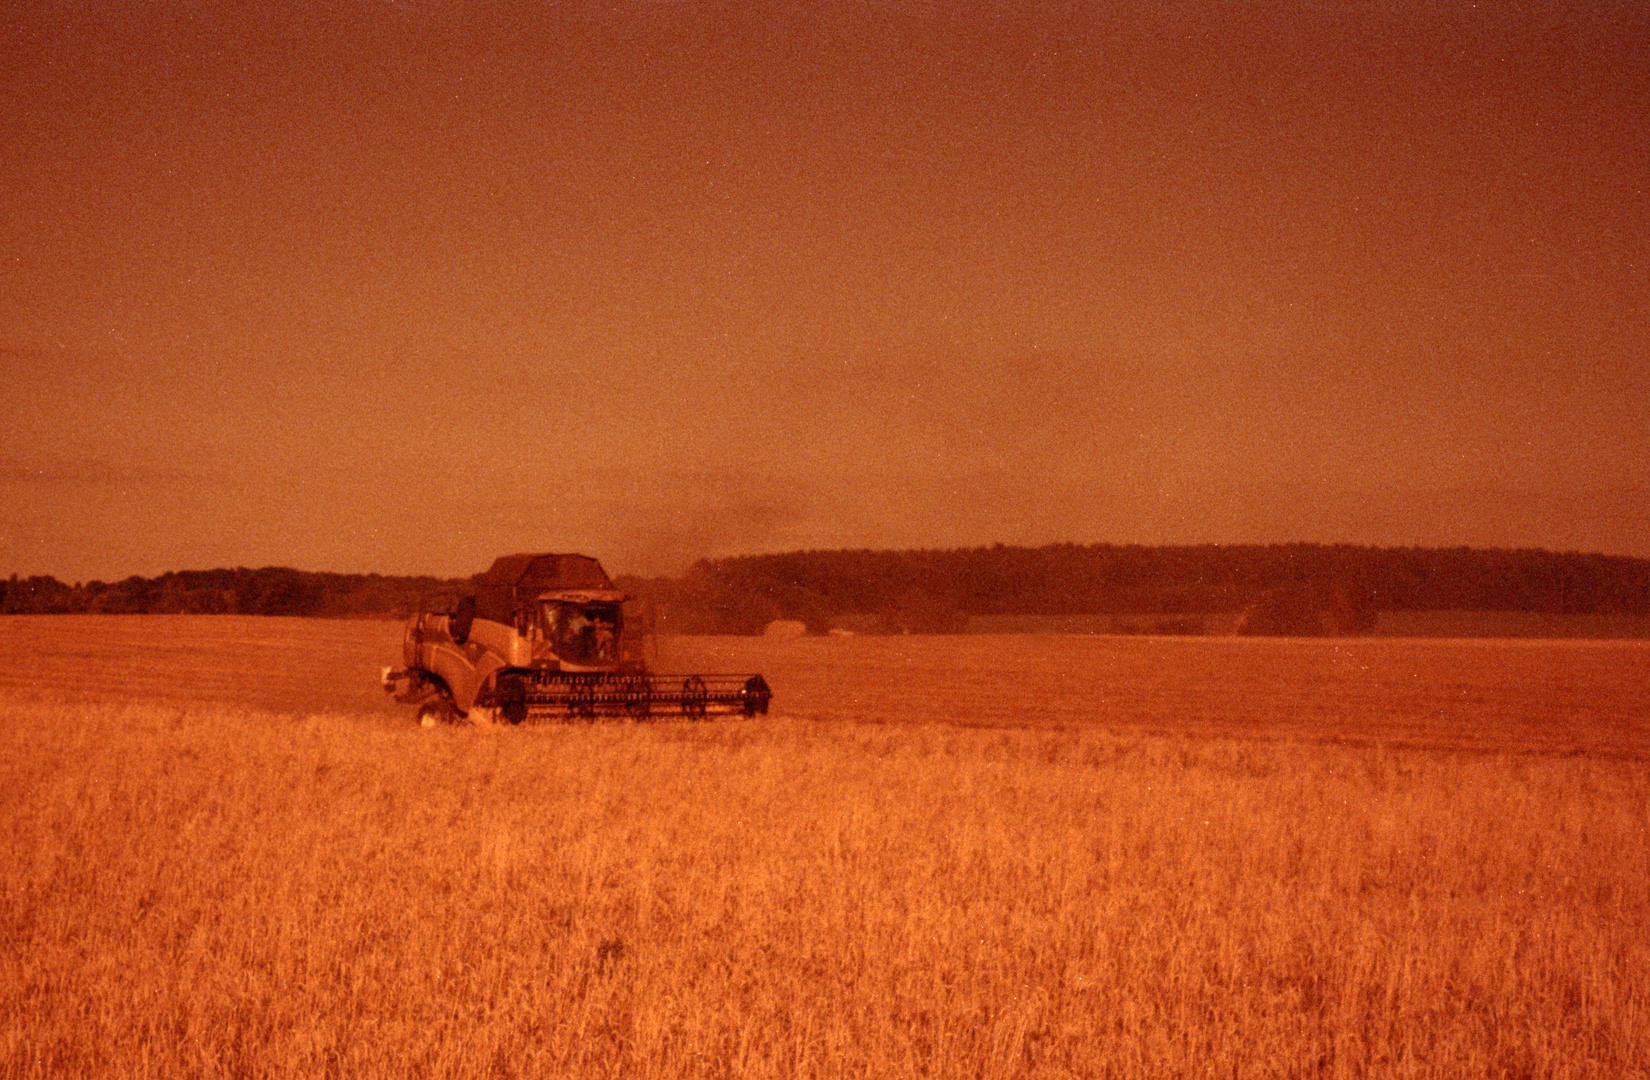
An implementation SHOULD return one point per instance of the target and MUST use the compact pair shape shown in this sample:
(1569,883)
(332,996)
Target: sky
(399,286)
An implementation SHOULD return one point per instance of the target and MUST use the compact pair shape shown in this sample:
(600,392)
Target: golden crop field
(225,855)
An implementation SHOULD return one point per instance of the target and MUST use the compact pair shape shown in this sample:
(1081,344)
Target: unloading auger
(544,639)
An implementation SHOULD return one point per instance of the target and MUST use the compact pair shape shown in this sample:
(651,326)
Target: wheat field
(224,856)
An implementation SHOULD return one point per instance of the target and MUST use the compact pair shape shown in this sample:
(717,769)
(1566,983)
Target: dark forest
(1333,588)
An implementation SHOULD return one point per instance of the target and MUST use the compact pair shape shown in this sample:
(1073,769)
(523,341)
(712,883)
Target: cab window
(583,633)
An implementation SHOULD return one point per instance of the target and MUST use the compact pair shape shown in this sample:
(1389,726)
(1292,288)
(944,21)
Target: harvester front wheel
(512,699)
(436,712)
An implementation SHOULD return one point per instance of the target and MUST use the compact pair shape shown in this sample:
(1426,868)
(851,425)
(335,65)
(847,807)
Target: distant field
(1426,624)
(222,853)
(280,664)
(1586,697)
(1568,696)
(1508,624)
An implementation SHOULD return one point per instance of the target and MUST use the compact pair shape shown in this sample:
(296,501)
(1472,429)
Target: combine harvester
(544,638)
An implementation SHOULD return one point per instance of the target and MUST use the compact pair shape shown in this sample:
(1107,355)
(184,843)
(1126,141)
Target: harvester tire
(512,700)
(435,712)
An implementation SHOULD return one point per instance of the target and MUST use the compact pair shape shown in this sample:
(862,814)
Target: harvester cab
(544,637)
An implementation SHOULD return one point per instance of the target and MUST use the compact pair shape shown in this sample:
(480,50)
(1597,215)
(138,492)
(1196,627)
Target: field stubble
(1300,869)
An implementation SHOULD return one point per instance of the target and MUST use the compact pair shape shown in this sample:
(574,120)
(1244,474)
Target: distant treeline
(1291,588)
(272,590)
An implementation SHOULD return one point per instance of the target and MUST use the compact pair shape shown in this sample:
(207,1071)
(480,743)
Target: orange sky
(407,285)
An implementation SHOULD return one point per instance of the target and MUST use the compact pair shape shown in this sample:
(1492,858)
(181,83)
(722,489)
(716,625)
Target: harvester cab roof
(515,581)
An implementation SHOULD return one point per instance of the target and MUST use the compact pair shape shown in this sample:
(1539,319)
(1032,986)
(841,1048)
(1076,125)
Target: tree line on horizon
(1282,588)
(1276,588)
(271,590)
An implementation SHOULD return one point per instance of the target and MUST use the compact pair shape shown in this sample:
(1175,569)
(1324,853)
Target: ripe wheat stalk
(212,891)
